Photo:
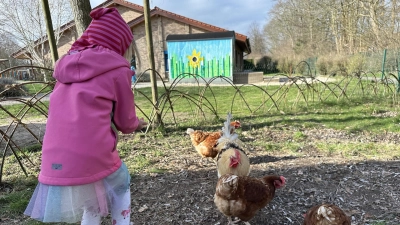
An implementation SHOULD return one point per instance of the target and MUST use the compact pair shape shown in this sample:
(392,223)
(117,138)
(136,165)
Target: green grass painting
(206,58)
(207,69)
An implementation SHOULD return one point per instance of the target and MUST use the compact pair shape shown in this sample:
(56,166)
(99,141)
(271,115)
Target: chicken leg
(231,222)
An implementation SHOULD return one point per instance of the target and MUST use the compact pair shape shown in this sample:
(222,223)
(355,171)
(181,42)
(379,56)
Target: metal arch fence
(30,101)
(307,88)
(27,73)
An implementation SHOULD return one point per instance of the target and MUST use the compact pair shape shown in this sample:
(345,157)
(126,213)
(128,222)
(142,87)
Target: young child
(82,177)
(134,74)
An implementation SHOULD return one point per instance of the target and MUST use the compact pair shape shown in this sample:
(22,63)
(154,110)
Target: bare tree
(81,9)
(306,27)
(7,47)
(24,22)
(283,30)
(257,40)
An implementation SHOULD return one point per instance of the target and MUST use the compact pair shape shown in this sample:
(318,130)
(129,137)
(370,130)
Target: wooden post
(149,40)
(50,31)
(383,63)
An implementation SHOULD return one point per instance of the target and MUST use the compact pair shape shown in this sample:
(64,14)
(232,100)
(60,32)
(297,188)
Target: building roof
(210,35)
(201,36)
(241,39)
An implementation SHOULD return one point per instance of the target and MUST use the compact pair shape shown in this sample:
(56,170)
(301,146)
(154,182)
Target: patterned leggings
(120,213)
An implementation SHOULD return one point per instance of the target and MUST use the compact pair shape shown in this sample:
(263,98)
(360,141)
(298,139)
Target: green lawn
(349,105)
(357,106)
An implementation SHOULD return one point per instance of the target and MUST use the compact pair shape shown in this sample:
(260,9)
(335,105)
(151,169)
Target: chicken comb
(226,134)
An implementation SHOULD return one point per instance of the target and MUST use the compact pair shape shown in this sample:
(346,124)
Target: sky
(234,15)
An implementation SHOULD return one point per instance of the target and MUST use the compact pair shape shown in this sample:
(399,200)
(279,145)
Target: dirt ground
(368,191)
(26,134)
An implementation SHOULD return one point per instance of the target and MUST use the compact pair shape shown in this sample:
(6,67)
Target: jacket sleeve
(124,118)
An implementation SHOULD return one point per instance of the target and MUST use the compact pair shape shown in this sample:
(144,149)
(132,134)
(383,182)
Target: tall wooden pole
(149,40)
(50,31)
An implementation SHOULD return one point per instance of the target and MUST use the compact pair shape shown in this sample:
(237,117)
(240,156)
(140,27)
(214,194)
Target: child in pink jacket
(82,176)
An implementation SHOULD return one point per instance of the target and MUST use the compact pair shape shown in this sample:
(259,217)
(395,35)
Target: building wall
(66,40)
(161,27)
(127,13)
(70,36)
(238,59)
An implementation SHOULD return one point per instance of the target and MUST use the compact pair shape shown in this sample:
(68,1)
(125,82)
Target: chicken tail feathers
(189,131)
(226,131)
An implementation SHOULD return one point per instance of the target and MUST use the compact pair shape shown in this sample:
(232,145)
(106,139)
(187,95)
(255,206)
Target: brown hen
(326,214)
(205,142)
(243,196)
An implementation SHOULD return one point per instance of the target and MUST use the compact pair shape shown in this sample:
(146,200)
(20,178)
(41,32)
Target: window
(166,64)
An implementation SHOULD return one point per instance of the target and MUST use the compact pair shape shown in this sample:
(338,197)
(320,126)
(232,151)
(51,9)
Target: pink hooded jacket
(93,90)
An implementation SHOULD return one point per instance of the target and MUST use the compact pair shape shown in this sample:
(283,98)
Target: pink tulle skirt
(67,203)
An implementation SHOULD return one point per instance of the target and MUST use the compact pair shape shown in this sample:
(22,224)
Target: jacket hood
(107,29)
(79,66)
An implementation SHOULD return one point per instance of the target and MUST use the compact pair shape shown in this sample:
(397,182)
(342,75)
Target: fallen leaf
(143,208)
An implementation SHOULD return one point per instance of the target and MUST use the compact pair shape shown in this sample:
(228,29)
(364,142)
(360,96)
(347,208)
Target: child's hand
(142,124)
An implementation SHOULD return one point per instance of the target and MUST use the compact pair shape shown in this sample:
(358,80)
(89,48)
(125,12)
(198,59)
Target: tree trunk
(81,9)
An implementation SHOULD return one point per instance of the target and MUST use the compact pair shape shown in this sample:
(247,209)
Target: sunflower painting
(206,58)
(195,59)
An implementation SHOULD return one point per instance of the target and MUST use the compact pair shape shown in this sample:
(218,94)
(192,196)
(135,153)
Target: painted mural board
(206,58)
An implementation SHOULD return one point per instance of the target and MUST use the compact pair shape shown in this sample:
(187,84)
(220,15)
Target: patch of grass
(19,109)
(30,89)
(292,147)
(125,148)
(286,147)
(34,88)
(270,147)
(16,202)
(138,163)
(32,148)
(371,151)
(299,136)
(157,170)
(353,111)
(158,153)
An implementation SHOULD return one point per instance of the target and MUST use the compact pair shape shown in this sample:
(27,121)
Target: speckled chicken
(326,214)
(244,196)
